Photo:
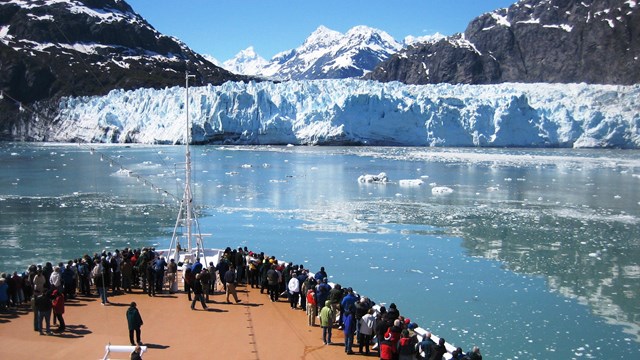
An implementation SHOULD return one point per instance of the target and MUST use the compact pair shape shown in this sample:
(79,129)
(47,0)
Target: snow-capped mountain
(329,54)
(246,62)
(83,47)
(356,112)
(554,41)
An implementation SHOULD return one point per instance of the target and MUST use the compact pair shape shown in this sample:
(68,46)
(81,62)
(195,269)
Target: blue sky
(222,28)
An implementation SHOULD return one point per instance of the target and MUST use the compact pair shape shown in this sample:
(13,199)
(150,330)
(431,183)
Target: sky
(222,28)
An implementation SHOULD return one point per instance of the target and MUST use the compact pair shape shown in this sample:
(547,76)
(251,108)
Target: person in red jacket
(58,308)
(312,311)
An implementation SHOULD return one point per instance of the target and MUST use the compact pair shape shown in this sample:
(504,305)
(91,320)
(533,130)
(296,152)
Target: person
(322,292)
(221,269)
(335,296)
(327,316)
(294,291)
(134,322)
(349,324)
(136,354)
(58,309)
(367,325)
(213,278)
(348,303)
(39,282)
(474,354)
(196,267)
(172,275)
(425,345)
(189,278)
(437,351)
(43,306)
(272,279)
(312,310)
(458,354)
(320,275)
(387,349)
(158,270)
(150,273)
(83,273)
(197,293)
(55,279)
(18,295)
(407,346)
(99,280)
(230,280)
(126,270)
(4,295)
(205,280)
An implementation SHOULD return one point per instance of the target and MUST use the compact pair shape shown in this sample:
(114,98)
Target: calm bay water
(534,254)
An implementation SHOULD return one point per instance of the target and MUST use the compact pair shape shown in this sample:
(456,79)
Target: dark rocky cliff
(85,47)
(554,41)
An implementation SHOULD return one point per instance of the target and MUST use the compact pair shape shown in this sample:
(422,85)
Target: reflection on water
(531,246)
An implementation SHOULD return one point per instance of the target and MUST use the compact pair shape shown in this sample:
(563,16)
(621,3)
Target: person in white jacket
(294,291)
(367,326)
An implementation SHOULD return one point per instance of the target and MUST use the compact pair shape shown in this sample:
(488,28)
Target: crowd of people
(365,325)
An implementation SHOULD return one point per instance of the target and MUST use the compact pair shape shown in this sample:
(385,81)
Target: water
(534,255)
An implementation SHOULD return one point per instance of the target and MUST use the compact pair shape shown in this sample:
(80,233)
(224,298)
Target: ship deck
(256,329)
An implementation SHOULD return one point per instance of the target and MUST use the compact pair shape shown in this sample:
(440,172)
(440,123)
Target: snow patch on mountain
(362,112)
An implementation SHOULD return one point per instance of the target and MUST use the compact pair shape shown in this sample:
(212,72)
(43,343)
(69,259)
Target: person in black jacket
(44,306)
(134,322)
(197,293)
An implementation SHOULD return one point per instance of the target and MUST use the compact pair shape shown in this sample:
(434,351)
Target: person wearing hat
(134,322)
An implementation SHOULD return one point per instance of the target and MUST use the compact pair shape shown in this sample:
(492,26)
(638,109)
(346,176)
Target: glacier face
(348,111)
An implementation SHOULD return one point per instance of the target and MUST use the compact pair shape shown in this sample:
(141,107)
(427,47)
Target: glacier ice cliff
(357,112)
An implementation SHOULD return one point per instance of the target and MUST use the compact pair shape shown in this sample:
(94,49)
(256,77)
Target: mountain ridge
(551,41)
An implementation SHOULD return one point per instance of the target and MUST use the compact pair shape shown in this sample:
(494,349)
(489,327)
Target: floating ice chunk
(231,173)
(410,182)
(416,271)
(441,190)
(246,166)
(424,177)
(380,178)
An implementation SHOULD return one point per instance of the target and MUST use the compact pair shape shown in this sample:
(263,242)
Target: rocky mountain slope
(554,41)
(50,49)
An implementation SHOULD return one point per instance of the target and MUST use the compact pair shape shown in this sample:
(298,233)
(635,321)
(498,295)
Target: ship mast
(188,199)
(186,206)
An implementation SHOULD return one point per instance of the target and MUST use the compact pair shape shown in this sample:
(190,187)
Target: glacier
(359,112)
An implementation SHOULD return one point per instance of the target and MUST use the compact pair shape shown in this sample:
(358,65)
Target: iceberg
(358,112)
(368,178)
